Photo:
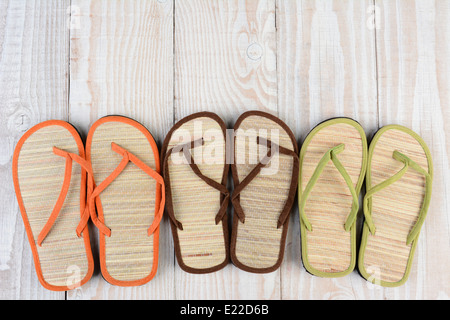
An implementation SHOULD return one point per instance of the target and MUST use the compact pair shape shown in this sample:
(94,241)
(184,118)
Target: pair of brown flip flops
(263,155)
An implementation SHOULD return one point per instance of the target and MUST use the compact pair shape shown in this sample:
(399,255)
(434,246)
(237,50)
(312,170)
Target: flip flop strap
(70,157)
(185,149)
(127,158)
(408,163)
(330,155)
(273,149)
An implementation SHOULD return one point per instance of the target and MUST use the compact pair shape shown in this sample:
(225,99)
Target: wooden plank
(326,63)
(326,69)
(33,88)
(225,62)
(225,57)
(122,62)
(413,51)
(121,55)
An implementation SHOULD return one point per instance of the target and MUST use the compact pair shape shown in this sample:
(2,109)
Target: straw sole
(129,204)
(329,250)
(202,246)
(257,245)
(64,261)
(385,258)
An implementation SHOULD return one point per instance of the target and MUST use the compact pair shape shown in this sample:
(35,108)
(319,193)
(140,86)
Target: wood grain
(225,57)
(121,62)
(33,88)
(326,63)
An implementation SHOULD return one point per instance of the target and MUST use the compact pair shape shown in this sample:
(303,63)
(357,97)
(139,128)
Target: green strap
(330,155)
(426,203)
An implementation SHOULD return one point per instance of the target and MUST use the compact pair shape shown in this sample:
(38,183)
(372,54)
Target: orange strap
(93,192)
(127,158)
(70,157)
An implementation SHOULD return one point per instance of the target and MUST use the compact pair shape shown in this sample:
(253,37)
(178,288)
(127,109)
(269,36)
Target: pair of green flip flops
(335,160)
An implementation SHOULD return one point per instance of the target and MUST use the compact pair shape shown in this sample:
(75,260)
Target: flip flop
(265,175)
(398,183)
(195,171)
(126,199)
(49,173)
(333,163)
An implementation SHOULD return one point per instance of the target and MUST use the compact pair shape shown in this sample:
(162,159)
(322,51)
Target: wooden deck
(378,61)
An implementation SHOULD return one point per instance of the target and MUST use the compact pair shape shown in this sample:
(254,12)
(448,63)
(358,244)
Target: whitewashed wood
(33,88)
(412,45)
(326,63)
(225,57)
(326,69)
(225,62)
(121,63)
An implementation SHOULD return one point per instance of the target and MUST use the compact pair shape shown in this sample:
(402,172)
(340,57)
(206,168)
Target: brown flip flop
(265,174)
(195,172)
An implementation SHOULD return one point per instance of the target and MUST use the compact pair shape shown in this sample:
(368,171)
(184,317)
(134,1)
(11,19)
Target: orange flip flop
(126,200)
(49,174)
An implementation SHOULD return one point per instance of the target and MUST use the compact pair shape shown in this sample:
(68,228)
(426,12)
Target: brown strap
(255,172)
(225,195)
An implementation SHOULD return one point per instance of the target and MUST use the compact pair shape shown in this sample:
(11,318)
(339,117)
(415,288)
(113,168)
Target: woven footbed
(127,206)
(64,259)
(385,256)
(257,245)
(328,250)
(201,246)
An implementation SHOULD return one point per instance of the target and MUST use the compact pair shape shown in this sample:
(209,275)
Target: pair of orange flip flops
(114,181)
